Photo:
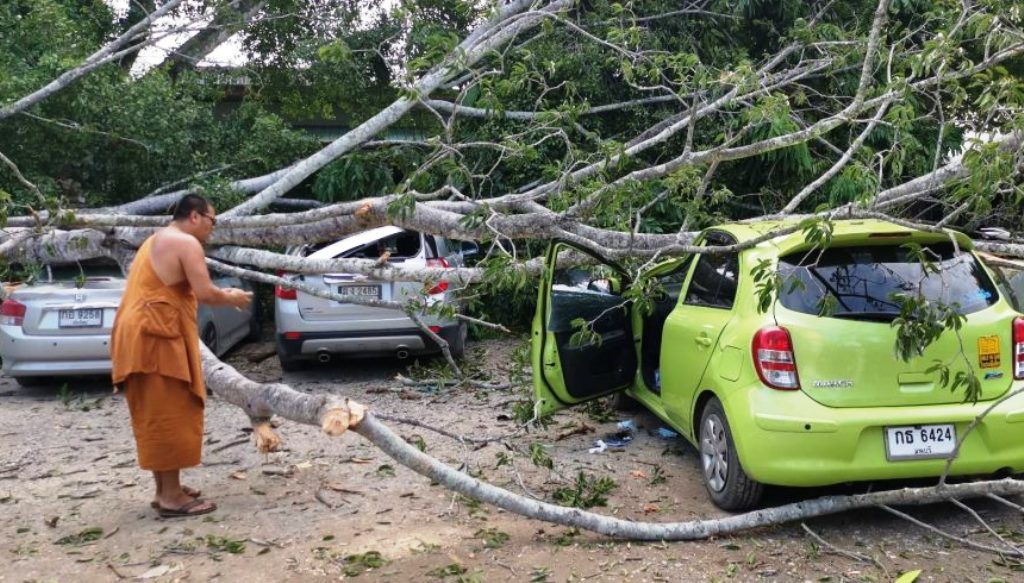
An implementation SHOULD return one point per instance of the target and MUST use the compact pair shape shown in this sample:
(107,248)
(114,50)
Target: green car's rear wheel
(728,485)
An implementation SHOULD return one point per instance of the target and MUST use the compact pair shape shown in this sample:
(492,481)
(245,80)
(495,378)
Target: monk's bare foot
(191,492)
(194,507)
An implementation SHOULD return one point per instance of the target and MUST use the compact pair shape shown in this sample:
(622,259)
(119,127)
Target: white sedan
(59,325)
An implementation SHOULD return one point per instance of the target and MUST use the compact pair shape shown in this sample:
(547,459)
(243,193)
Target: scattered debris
(88,535)
(666,433)
(581,429)
(276,471)
(235,443)
(159,571)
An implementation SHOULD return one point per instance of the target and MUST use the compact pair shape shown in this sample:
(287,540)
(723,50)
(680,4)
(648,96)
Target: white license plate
(917,442)
(370,292)
(80,318)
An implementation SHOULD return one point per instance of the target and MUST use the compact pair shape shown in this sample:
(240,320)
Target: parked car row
(796,395)
(59,325)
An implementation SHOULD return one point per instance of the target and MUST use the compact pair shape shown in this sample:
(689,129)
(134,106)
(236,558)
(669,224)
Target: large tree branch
(463,110)
(499,30)
(232,18)
(105,54)
(335,415)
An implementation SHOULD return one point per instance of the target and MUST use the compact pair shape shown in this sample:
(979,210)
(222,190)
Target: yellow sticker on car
(988,352)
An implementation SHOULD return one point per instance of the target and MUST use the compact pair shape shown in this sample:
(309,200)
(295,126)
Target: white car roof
(357,240)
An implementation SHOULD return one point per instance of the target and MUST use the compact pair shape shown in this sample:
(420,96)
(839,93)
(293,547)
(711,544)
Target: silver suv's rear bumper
(325,345)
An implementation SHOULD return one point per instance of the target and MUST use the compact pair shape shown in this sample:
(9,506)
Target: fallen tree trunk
(335,415)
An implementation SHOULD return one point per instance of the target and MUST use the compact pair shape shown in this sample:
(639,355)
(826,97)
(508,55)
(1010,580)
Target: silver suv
(313,328)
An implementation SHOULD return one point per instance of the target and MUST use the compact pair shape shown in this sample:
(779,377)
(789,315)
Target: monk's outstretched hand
(239,298)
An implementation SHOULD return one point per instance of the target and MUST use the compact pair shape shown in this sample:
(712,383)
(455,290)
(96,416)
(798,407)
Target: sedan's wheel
(210,337)
(728,485)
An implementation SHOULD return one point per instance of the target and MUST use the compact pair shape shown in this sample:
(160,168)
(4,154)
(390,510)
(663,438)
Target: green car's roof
(868,231)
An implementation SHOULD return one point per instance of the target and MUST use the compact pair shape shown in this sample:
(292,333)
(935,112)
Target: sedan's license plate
(80,318)
(920,441)
(370,292)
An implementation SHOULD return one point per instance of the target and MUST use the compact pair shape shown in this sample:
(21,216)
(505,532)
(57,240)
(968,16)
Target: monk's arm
(193,262)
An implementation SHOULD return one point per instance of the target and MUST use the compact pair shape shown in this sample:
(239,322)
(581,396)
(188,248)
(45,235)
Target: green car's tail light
(774,360)
(12,313)
(1018,349)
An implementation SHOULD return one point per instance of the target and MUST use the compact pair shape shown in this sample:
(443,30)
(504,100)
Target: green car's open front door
(582,341)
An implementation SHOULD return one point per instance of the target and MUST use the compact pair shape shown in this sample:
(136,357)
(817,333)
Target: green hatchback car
(793,395)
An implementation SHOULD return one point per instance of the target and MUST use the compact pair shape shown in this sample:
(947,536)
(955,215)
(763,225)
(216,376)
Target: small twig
(942,533)
(459,438)
(483,323)
(445,349)
(982,522)
(427,383)
(581,429)
(232,444)
(837,550)
(963,437)
(323,500)
(24,181)
(116,572)
(526,490)
(1002,500)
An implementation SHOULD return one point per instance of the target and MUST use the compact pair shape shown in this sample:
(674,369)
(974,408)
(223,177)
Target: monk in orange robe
(154,349)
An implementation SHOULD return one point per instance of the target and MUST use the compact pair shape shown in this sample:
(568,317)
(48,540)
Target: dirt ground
(74,505)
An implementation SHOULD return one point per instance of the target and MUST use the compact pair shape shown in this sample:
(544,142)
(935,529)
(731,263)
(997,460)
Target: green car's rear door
(582,338)
(693,329)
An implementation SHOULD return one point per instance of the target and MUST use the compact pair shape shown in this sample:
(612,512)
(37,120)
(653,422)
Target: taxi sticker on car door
(988,352)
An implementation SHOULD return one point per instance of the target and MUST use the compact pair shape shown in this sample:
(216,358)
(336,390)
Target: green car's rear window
(864,280)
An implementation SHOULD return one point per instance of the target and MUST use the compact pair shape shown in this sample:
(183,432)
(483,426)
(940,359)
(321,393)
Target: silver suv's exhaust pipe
(402,353)
(323,356)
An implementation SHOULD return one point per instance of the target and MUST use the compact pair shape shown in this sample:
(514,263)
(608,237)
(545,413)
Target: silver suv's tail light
(442,286)
(285,293)
(1018,349)
(773,358)
(12,313)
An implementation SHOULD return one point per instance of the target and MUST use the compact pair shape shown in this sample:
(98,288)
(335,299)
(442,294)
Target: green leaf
(909,576)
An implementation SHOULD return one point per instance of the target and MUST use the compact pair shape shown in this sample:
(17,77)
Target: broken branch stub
(260,401)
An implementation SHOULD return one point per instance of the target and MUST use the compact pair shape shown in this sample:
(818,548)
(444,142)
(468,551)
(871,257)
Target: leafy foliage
(587,491)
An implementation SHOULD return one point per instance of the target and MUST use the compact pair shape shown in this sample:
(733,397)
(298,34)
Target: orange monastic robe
(154,347)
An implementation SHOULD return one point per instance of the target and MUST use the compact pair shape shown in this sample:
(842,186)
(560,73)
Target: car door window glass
(714,280)
(398,248)
(585,279)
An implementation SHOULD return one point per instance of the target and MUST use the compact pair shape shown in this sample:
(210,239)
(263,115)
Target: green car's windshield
(864,280)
